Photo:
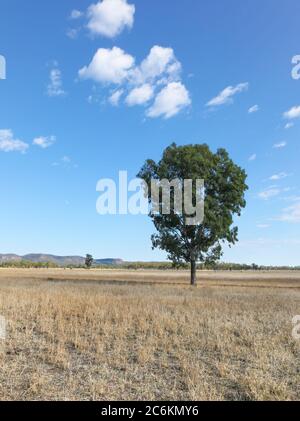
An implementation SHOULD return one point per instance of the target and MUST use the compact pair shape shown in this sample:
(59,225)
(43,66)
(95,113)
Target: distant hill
(58,260)
(9,258)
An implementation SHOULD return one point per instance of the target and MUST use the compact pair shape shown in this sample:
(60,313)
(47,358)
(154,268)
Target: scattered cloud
(90,99)
(9,144)
(140,95)
(280,145)
(157,78)
(115,97)
(110,17)
(267,242)
(263,226)
(44,142)
(160,64)
(108,66)
(279,176)
(274,190)
(293,113)
(73,33)
(253,109)
(269,193)
(76,14)
(96,96)
(226,96)
(289,125)
(55,86)
(66,159)
(293,198)
(252,157)
(65,162)
(291,214)
(170,101)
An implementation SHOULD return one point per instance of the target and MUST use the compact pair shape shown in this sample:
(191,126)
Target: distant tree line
(245,267)
(146,266)
(203,266)
(26,264)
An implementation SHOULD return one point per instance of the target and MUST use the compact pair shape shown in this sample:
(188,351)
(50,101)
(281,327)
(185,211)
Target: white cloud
(291,214)
(76,14)
(280,145)
(293,198)
(108,66)
(116,66)
(279,176)
(253,157)
(161,62)
(140,95)
(44,142)
(269,193)
(72,33)
(55,87)
(66,159)
(158,77)
(9,144)
(289,125)
(65,162)
(263,226)
(170,101)
(253,109)
(263,242)
(115,97)
(293,113)
(226,96)
(110,17)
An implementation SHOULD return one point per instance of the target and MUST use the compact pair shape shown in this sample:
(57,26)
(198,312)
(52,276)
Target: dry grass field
(108,335)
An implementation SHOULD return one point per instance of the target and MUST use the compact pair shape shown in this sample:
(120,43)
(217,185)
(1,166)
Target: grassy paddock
(148,335)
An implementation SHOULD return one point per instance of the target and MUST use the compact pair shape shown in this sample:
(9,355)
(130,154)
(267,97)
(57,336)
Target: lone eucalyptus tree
(224,190)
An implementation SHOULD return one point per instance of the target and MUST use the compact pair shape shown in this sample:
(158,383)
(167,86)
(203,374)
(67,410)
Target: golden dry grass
(78,335)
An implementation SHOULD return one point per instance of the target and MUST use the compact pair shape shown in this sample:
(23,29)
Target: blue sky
(95,88)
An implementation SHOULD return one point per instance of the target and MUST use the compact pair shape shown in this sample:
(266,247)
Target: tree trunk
(193,273)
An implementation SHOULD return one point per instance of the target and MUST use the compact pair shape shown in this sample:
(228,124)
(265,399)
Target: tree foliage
(89,261)
(225,186)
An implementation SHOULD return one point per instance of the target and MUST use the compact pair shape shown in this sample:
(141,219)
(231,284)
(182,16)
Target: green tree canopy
(225,186)
(89,261)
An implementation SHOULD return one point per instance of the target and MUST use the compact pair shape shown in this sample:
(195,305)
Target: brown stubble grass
(79,340)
